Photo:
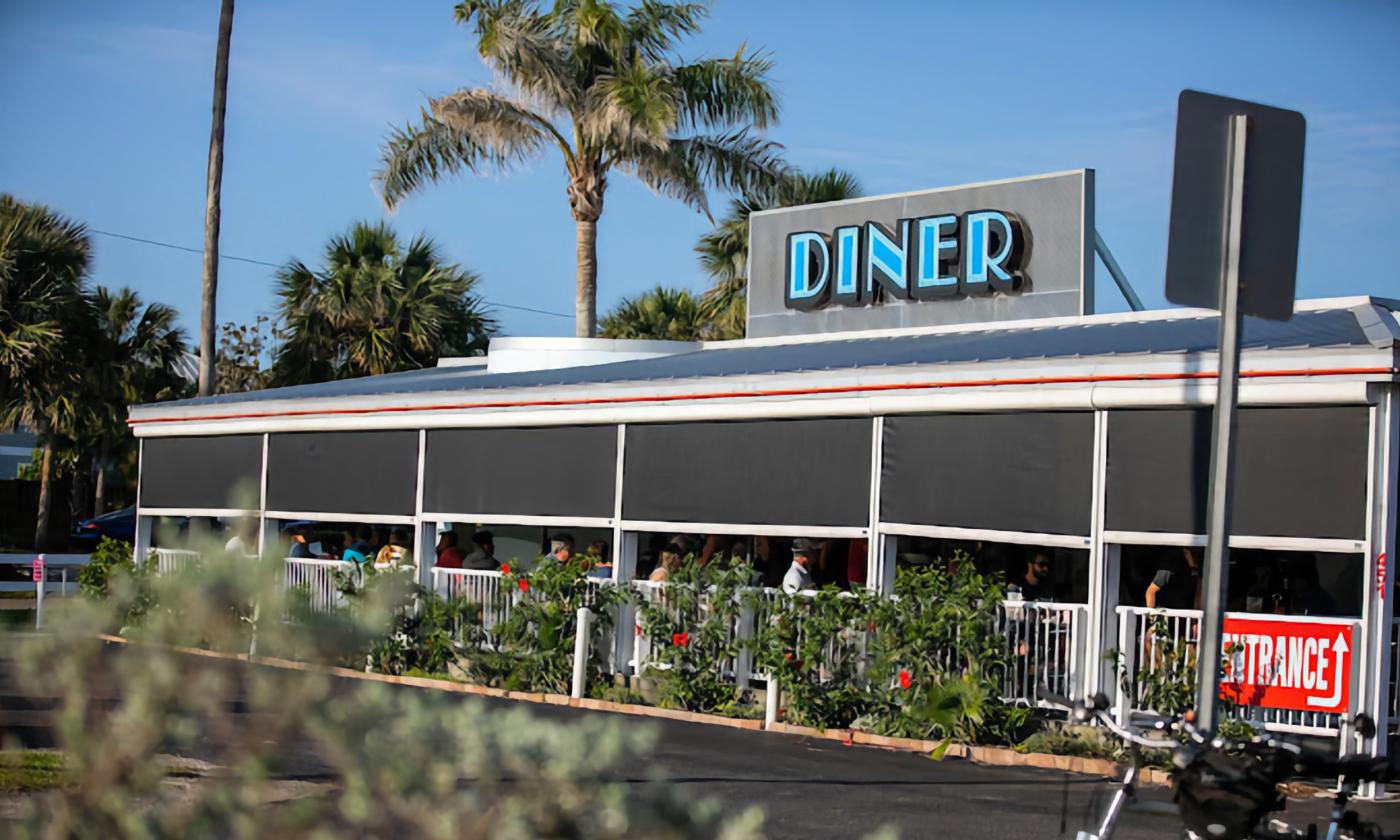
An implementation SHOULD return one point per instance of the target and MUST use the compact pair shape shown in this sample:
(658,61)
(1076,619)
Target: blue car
(118,524)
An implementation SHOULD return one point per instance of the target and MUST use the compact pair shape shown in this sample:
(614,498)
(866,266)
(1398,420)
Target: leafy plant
(813,643)
(109,557)
(691,624)
(533,647)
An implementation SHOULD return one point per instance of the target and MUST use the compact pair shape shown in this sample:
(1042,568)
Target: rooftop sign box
(997,251)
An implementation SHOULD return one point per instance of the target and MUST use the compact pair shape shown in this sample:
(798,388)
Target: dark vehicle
(119,525)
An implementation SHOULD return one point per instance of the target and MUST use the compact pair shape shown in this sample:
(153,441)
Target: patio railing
(1147,639)
(1045,646)
(320,579)
(171,560)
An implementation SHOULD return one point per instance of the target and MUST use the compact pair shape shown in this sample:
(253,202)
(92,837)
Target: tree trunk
(586,294)
(80,489)
(212,210)
(41,527)
(99,492)
(586,190)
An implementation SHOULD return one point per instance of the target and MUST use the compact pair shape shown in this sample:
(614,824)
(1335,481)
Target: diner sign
(996,251)
(1276,663)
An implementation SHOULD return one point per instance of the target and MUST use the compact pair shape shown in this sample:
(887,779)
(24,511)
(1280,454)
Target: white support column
(617,535)
(1103,570)
(267,534)
(889,557)
(624,549)
(1378,610)
(874,552)
(142,544)
(424,533)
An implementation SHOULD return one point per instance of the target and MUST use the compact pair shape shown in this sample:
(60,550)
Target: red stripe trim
(777,392)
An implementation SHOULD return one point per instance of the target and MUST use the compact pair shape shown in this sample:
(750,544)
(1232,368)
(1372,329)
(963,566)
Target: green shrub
(533,648)
(690,624)
(108,558)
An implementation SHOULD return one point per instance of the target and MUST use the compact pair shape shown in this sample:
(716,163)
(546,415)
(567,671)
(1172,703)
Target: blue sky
(106,118)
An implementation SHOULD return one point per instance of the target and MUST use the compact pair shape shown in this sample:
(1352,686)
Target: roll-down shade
(220,472)
(774,472)
(1299,472)
(343,472)
(566,471)
(1028,472)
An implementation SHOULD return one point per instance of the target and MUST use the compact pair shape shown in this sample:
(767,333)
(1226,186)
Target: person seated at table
(357,545)
(599,560)
(449,556)
(561,548)
(1035,583)
(301,544)
(483,556)
(670,561)
(395,553)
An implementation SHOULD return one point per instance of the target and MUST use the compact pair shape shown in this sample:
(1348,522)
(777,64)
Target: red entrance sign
(1282,664)
(38,567)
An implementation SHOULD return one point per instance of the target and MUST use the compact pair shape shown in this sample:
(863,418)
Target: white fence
(479,587)
(320,579)
(171,560)
(1152,641)
(60,575)
(1045,647)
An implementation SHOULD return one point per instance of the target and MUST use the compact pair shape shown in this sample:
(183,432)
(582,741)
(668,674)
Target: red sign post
(1288,664)
(39,568)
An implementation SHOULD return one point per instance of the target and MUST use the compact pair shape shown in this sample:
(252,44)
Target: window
(1041,572)
(1260,581)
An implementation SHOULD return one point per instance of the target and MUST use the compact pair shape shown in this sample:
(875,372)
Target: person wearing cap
(798,577)
(449,556)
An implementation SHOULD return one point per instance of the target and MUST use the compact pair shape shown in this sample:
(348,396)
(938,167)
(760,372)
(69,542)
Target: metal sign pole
(1215,577)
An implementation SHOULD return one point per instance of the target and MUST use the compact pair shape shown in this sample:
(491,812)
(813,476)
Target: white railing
(320,580)
(171,560)
(1045,646)
(1147,640)
(61,572)
(480,587)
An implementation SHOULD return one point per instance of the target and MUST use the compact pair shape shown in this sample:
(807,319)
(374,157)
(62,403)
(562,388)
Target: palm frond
(720,93)
(506,130)
(422,153)
(632,109)
(654,26)
(737,161)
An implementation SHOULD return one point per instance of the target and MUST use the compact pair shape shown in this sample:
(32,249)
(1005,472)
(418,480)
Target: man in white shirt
(798,578)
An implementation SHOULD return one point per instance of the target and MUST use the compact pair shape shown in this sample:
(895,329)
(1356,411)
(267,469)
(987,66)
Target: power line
(224,256)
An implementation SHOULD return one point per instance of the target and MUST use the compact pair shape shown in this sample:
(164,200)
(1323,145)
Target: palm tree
(136,352)
(213,207)
(724,251)
(376,307)
(44,261)
(662,313)
(606,89)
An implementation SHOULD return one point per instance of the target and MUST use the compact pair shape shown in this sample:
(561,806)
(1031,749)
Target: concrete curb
(992,756)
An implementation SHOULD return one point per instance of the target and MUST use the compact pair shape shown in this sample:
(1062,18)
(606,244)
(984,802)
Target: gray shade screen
(1299,472)
(773,472)
(218,472)
(343,472)
(567,471)
(1008,472)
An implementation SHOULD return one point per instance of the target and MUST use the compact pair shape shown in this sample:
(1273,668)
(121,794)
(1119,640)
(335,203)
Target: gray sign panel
(998,251)
(1273,202)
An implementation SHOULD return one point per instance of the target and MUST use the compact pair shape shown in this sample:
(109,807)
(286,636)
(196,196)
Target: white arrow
(1339,647)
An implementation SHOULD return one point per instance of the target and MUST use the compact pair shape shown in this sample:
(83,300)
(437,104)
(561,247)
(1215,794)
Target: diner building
(933,398)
